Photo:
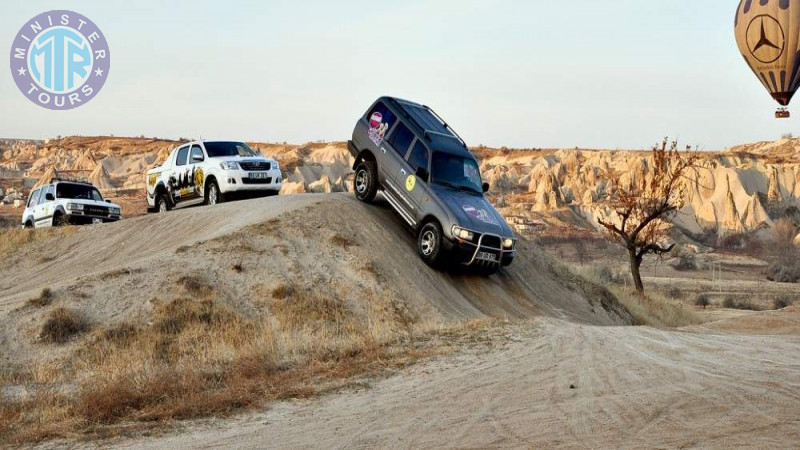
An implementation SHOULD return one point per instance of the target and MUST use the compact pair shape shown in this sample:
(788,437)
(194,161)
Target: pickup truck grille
(257,181)
(255,165)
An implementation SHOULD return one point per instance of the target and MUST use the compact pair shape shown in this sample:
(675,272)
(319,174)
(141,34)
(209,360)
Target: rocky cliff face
(730,192)
(742,190)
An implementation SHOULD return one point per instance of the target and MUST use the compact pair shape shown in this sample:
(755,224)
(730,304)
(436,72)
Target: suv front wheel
(365,183)
(429,244)
(213,194)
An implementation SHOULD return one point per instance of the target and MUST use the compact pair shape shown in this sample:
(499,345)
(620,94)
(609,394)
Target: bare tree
(643,205)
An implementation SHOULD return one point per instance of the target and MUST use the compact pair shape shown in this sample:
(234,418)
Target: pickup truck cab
(211,171)
(425,171)
(64,202)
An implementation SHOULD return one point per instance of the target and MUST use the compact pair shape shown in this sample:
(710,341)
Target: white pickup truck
(211,170)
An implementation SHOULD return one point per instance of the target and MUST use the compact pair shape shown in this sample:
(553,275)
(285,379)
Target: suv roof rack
(70,180)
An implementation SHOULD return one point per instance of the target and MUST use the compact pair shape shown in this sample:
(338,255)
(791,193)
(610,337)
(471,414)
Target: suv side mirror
(49,197)
(485,187)
(422,174)
(197,158)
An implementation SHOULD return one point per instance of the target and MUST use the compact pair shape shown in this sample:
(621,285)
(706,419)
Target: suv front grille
(255,165)
(95,210)
(491,241)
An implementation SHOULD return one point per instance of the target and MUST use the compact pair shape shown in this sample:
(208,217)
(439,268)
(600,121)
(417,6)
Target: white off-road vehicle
(68,202)
(211,171)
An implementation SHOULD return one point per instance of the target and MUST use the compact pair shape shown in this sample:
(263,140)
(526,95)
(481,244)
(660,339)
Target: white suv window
(34,198)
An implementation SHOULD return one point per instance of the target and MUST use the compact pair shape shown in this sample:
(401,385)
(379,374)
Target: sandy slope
(115,273)
(634,387)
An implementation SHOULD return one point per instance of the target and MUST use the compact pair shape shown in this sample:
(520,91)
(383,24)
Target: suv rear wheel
(429,244)
(365,183)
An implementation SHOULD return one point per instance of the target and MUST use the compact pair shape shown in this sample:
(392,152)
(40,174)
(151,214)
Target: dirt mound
(113,272)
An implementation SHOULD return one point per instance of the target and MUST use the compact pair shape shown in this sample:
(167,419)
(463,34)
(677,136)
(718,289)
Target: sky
(516,73)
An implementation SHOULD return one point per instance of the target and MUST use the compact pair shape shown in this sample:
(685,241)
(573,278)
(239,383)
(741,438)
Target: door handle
(403,171)
(383,149)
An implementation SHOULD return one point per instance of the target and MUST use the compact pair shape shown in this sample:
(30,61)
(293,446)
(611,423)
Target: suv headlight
(74,207)
(463,234)
(229,165)
(275,165)
(508,243)
(115,211)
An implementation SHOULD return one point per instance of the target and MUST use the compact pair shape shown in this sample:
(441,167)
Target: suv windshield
(456,171)
(217,149)
(78,191)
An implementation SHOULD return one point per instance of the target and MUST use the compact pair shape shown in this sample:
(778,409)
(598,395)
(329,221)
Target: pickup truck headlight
(229,165)
(508,243)
(115,211)
(463,234)
(74,207)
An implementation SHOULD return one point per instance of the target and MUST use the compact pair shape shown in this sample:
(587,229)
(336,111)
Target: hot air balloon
(768,33)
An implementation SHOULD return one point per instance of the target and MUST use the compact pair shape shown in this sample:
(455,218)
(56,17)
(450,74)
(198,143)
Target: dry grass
(195,356)
(653,309)
(62,325)
(17,238)
(45,298)
(656,310)
(343,241)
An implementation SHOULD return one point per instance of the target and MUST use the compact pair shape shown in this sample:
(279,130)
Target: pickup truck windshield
(78,191)
(456,171)
(217,149)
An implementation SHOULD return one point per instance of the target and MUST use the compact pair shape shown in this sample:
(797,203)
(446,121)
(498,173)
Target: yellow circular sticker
(411,181)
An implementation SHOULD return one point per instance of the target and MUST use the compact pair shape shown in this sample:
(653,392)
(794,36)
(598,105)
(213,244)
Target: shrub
(734,303)
(44,298)
(702,300)
(784,272)
(62,325)
(674,293)
(782,301)
(686,263)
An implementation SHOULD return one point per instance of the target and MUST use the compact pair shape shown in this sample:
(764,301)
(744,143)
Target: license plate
(486,256)
(97,220)
(258,175)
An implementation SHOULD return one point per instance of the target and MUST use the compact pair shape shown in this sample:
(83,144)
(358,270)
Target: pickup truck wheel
(213,195)
(429,244)
(162,204)
(365,183)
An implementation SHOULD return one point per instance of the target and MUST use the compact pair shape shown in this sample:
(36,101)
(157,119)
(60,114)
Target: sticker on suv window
(377,128)
(480,214)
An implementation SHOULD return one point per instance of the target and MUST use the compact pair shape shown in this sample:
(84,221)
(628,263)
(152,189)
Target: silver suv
(68,202)
(425,171)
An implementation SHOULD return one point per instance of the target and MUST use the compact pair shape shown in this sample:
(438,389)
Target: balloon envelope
(767,33)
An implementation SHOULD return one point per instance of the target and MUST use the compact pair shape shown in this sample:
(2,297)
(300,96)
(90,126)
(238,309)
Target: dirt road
(633,387)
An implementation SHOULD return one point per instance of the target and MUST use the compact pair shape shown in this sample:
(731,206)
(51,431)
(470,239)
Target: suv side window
(380,120)
(183,152)
(34,198)
(401,139)
(43,194)
(50,190)
(418,157)
(196,151)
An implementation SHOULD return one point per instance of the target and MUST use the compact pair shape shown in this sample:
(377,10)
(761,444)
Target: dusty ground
(633,387)
(727,383)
